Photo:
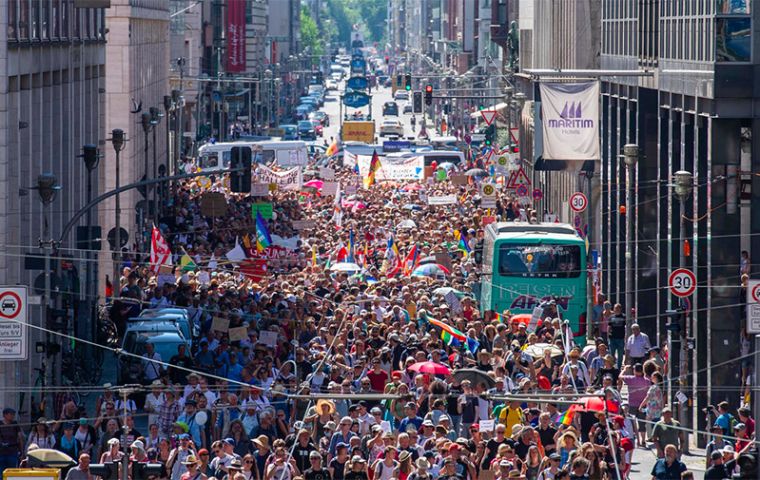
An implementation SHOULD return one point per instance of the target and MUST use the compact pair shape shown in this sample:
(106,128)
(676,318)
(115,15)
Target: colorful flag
(374,166)
(314,256)
(341,253)
(160,253)
(567,417)
(410,262)
(462,244)
(472,345)
(337,217)
(263,240)
(246,241)
(186,262)
(449,334)
(332,149)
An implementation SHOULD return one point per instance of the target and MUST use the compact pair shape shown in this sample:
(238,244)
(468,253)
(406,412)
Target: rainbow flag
(567,417)
(351,247)
(462,244)
(499,317)
(449,334)
(263,240)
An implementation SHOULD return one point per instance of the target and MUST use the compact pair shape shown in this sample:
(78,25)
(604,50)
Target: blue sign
(358,64)
(396,146)
(356,99)
(357,83)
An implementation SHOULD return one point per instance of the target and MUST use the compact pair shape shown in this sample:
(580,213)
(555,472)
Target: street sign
(578,202)
(537,194)
(488,190)
(14,315)
(356,99)
(488,116)
(682,282)
(357,83)
(123,238)
(522,190)
(753,306)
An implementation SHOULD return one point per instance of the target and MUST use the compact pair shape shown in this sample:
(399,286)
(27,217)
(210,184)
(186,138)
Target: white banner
(286,180)
(394,169)
(442,200)
(570,120)
(260,190)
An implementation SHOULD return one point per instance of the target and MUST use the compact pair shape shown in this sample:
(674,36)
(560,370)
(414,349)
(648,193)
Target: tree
(310,36)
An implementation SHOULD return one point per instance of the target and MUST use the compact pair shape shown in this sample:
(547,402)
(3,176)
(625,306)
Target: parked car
(306,130)
(318,128)
(391,128)
(290,132)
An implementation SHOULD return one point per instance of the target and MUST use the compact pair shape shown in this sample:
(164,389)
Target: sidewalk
(645,458)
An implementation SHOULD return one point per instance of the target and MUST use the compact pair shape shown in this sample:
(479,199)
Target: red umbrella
(431,368)
(524,318)
(596,404)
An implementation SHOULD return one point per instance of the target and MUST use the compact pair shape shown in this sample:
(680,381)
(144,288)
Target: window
(12,20)
(733,7)
(733,37)
(540,261)
(35,21)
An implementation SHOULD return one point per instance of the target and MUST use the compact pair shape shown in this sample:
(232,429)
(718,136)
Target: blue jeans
(8,461)
(617,350)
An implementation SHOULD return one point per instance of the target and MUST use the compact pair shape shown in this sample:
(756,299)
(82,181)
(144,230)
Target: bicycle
(36,409)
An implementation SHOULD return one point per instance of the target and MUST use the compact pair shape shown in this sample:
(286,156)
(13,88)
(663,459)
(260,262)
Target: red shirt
(378,380)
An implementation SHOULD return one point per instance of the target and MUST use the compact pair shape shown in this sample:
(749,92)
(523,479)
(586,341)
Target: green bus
(527,264)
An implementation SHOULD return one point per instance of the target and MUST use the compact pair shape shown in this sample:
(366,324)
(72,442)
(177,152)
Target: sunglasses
(248,462)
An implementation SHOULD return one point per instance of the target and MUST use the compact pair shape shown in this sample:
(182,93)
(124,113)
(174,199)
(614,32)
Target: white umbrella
(345,267)
(408,223)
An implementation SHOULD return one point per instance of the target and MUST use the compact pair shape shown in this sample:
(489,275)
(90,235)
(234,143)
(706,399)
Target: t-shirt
(663,471)
(338,468)
(378,380)
(547,437)
(511,417)
(617,327)
(666,434)
(321,474)
(9,438)
(637,388)
(301,455)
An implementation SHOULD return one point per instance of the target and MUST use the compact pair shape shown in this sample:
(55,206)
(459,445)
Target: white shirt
(638,345)
(152,369)
(153,405)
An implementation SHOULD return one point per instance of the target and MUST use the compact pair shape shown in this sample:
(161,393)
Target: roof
(533,231)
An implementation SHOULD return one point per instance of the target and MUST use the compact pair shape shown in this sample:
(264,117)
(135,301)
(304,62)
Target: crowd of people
(346,374)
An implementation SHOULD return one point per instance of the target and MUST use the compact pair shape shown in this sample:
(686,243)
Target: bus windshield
(539,261)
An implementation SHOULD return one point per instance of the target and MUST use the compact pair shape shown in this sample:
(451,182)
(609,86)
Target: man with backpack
(725,420)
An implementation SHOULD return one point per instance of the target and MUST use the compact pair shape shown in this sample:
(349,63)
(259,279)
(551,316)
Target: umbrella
(537,350)
(430,270)
(430,259)
(596,404)
(431,368)
(407,224)
(475,376)
(443,291)
(411,206)
(345,267)
(318,184)
(476,172)
(412,187)
(49,458)
(447,166)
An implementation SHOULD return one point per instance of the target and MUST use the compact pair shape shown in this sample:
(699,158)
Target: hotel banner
(570,121)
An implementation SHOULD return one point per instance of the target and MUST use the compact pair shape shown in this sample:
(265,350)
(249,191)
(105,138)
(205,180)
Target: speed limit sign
(578,202)
(682,282)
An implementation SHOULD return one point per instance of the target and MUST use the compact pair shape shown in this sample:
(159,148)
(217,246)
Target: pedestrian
(82,470)
(11,440)
(668,466)
(637,346)
(617,327)
(667,432)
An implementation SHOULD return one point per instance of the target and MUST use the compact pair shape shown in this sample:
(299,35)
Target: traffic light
(408,82)
(106,471)
(677,321)
(428,94)
(490,134)
(240,158)
(417,102)
(399,79)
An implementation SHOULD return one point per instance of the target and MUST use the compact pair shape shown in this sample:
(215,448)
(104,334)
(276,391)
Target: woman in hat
(192,463)
(67,443)
(324,413)
(41,435)
(405,467)
(261,455)
(568,442)
(113,453)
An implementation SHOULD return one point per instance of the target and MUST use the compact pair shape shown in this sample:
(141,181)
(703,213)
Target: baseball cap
(229,441)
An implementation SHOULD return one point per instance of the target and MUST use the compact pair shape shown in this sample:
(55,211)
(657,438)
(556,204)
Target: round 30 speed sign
(682,282)
(578,202)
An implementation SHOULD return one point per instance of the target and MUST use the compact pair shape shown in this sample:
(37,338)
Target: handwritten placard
(238,333)
(487,425)
(220,324)
(268,338)
(259,189)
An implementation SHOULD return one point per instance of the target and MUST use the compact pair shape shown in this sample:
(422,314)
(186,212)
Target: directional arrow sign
(488,116)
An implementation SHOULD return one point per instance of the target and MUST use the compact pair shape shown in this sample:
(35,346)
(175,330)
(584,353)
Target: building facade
(52,102)
(694,114)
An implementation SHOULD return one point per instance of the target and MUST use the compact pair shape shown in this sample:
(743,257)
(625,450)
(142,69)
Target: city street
(226,256)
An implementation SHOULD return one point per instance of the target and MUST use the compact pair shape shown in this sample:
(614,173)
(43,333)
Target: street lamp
(91,158)
(155,119)
(147,126)
(630,157)
(117,140)
(177,101)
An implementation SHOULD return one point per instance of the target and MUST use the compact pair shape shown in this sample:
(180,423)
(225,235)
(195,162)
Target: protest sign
(237,334)
(405,168)
(284,179)
(220,324)
(268,338)
(442,200)
(260,189)
(264,208)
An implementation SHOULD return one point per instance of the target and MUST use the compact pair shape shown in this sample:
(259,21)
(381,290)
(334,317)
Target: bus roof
(532,231)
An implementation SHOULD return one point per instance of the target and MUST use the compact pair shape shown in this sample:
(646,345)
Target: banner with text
(570,121)
(235,36)
(394,168)
(285,180)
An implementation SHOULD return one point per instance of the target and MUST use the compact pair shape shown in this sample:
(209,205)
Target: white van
(286,154)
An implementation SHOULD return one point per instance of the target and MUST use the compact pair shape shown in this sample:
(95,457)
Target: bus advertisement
(528,265)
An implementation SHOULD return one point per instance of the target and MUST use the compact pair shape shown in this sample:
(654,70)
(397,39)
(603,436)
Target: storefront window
(733,41)
(733,7)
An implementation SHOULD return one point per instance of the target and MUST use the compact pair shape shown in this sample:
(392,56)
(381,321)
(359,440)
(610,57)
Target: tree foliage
(310,35)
